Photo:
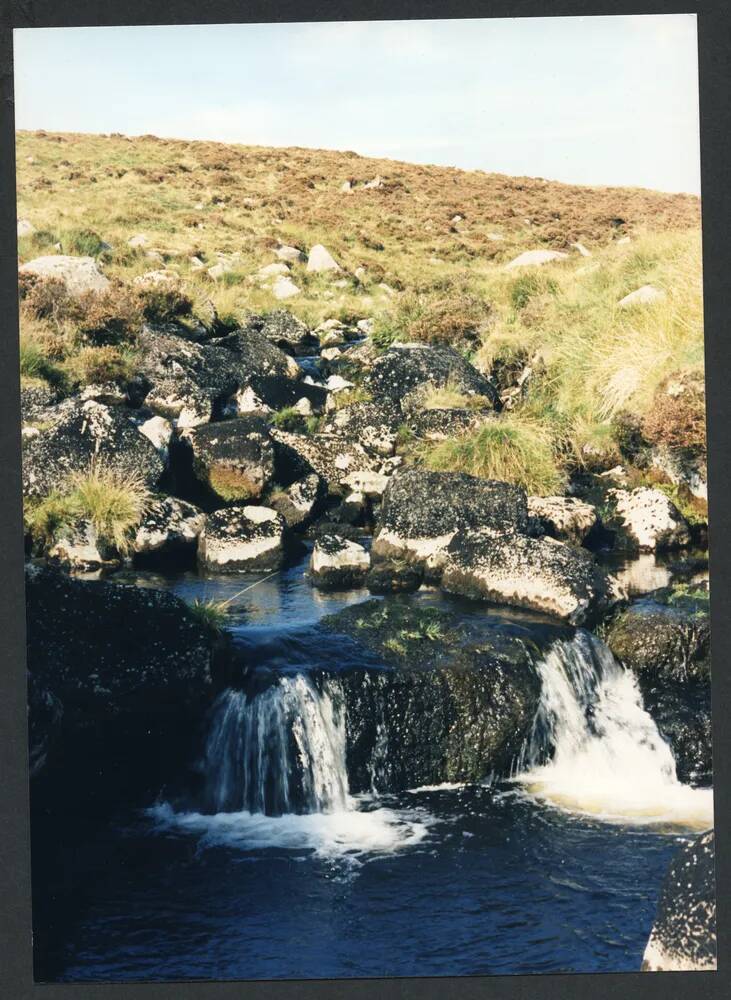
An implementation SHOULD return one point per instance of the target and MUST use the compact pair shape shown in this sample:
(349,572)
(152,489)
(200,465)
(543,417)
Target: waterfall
(594,749)
(279,751)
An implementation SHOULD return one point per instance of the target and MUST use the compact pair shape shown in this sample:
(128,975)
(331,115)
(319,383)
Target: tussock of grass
(449,398)
(113,500)
(509,448)
(95,365)
(212,615)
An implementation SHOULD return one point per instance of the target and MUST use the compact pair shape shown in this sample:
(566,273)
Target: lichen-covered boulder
(299,503)
(338,564)
(649,521)
(567,519)
(79,548)
(240,539)
(80,433)
(683,936)
(331,458)
(684,466)
(285,331)
(79,274)
(169,526)
(541,574)
(397,375)
(422,511)
(374,427)
(36,397)
(429,697)
(233,459)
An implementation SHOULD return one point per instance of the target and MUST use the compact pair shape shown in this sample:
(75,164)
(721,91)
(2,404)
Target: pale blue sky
(595,100)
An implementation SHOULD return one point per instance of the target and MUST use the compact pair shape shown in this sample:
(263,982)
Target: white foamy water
(276,777)
(609,759)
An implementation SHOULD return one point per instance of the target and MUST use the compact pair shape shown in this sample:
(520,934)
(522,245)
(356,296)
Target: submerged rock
(396,376)
(422,511)
(537,573)
(451,702)
(683,936)
(338,564)
(240,539)
(82,433)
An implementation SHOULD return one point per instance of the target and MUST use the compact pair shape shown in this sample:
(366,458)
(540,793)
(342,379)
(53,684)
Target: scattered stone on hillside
(79,548)
(138,240)
(541,574)
(422,512)
(683,936)
(272,270)
(196,264)
(241,539)
(346,186)
(304,407)
(80,434)
(582,249)
(404,368)
(366,326)
(338,564)
(168,526)
(642,296)
(331,457)
(159,277)
(535,258)
(290,255)
(285,331)
(624,239)
(564,518)
(218,270)
(495,237)
(683,466)
(374,427)
(386,288)
(320,259)
(25,227)
(284,288)
(649,519)
(330,353)
(300,502)
(336,383)
(79,274)
(234,459)
(377,182)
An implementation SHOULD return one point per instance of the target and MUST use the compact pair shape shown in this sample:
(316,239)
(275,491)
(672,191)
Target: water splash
(595,750)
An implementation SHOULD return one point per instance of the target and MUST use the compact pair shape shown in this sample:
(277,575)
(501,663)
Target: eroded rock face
(338,564)
(422,512)
(396,376)
(564,518)
(537,573)
(169,525)
(84,432)
(240,539)
(79,274)
(684,933)
(234,459)
(650,521)
(451,702)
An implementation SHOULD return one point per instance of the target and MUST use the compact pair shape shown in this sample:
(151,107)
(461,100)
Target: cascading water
(595,750)
(279,751)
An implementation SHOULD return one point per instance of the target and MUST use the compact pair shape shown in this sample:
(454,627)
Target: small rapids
(276,777)
(596,751)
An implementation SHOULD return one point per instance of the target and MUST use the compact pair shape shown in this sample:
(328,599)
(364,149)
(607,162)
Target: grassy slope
(593,361)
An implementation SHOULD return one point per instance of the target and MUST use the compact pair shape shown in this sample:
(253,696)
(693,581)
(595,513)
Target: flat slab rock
(338,564)
(541,574)
(684,933)
(241,539)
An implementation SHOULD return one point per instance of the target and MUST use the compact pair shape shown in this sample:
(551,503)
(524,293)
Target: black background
(714,30)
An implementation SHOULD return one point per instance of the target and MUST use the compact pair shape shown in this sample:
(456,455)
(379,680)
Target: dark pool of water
(490,881)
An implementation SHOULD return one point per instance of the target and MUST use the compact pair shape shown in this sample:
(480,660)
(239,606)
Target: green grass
(211,615)
(508,447)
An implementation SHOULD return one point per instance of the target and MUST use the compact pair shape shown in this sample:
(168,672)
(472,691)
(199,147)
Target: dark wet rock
(169,527)
(232,459)
(286,332)
(331,458)
(684,933)
(567,519)
(422,511)
(337,563)
(373,426)
(274,376)
(300,502)
(45,716)
(80,433)
(537,573)
(394,577)
(667,646)
(452,702)
(327,526)
(397,375)
(240,539)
